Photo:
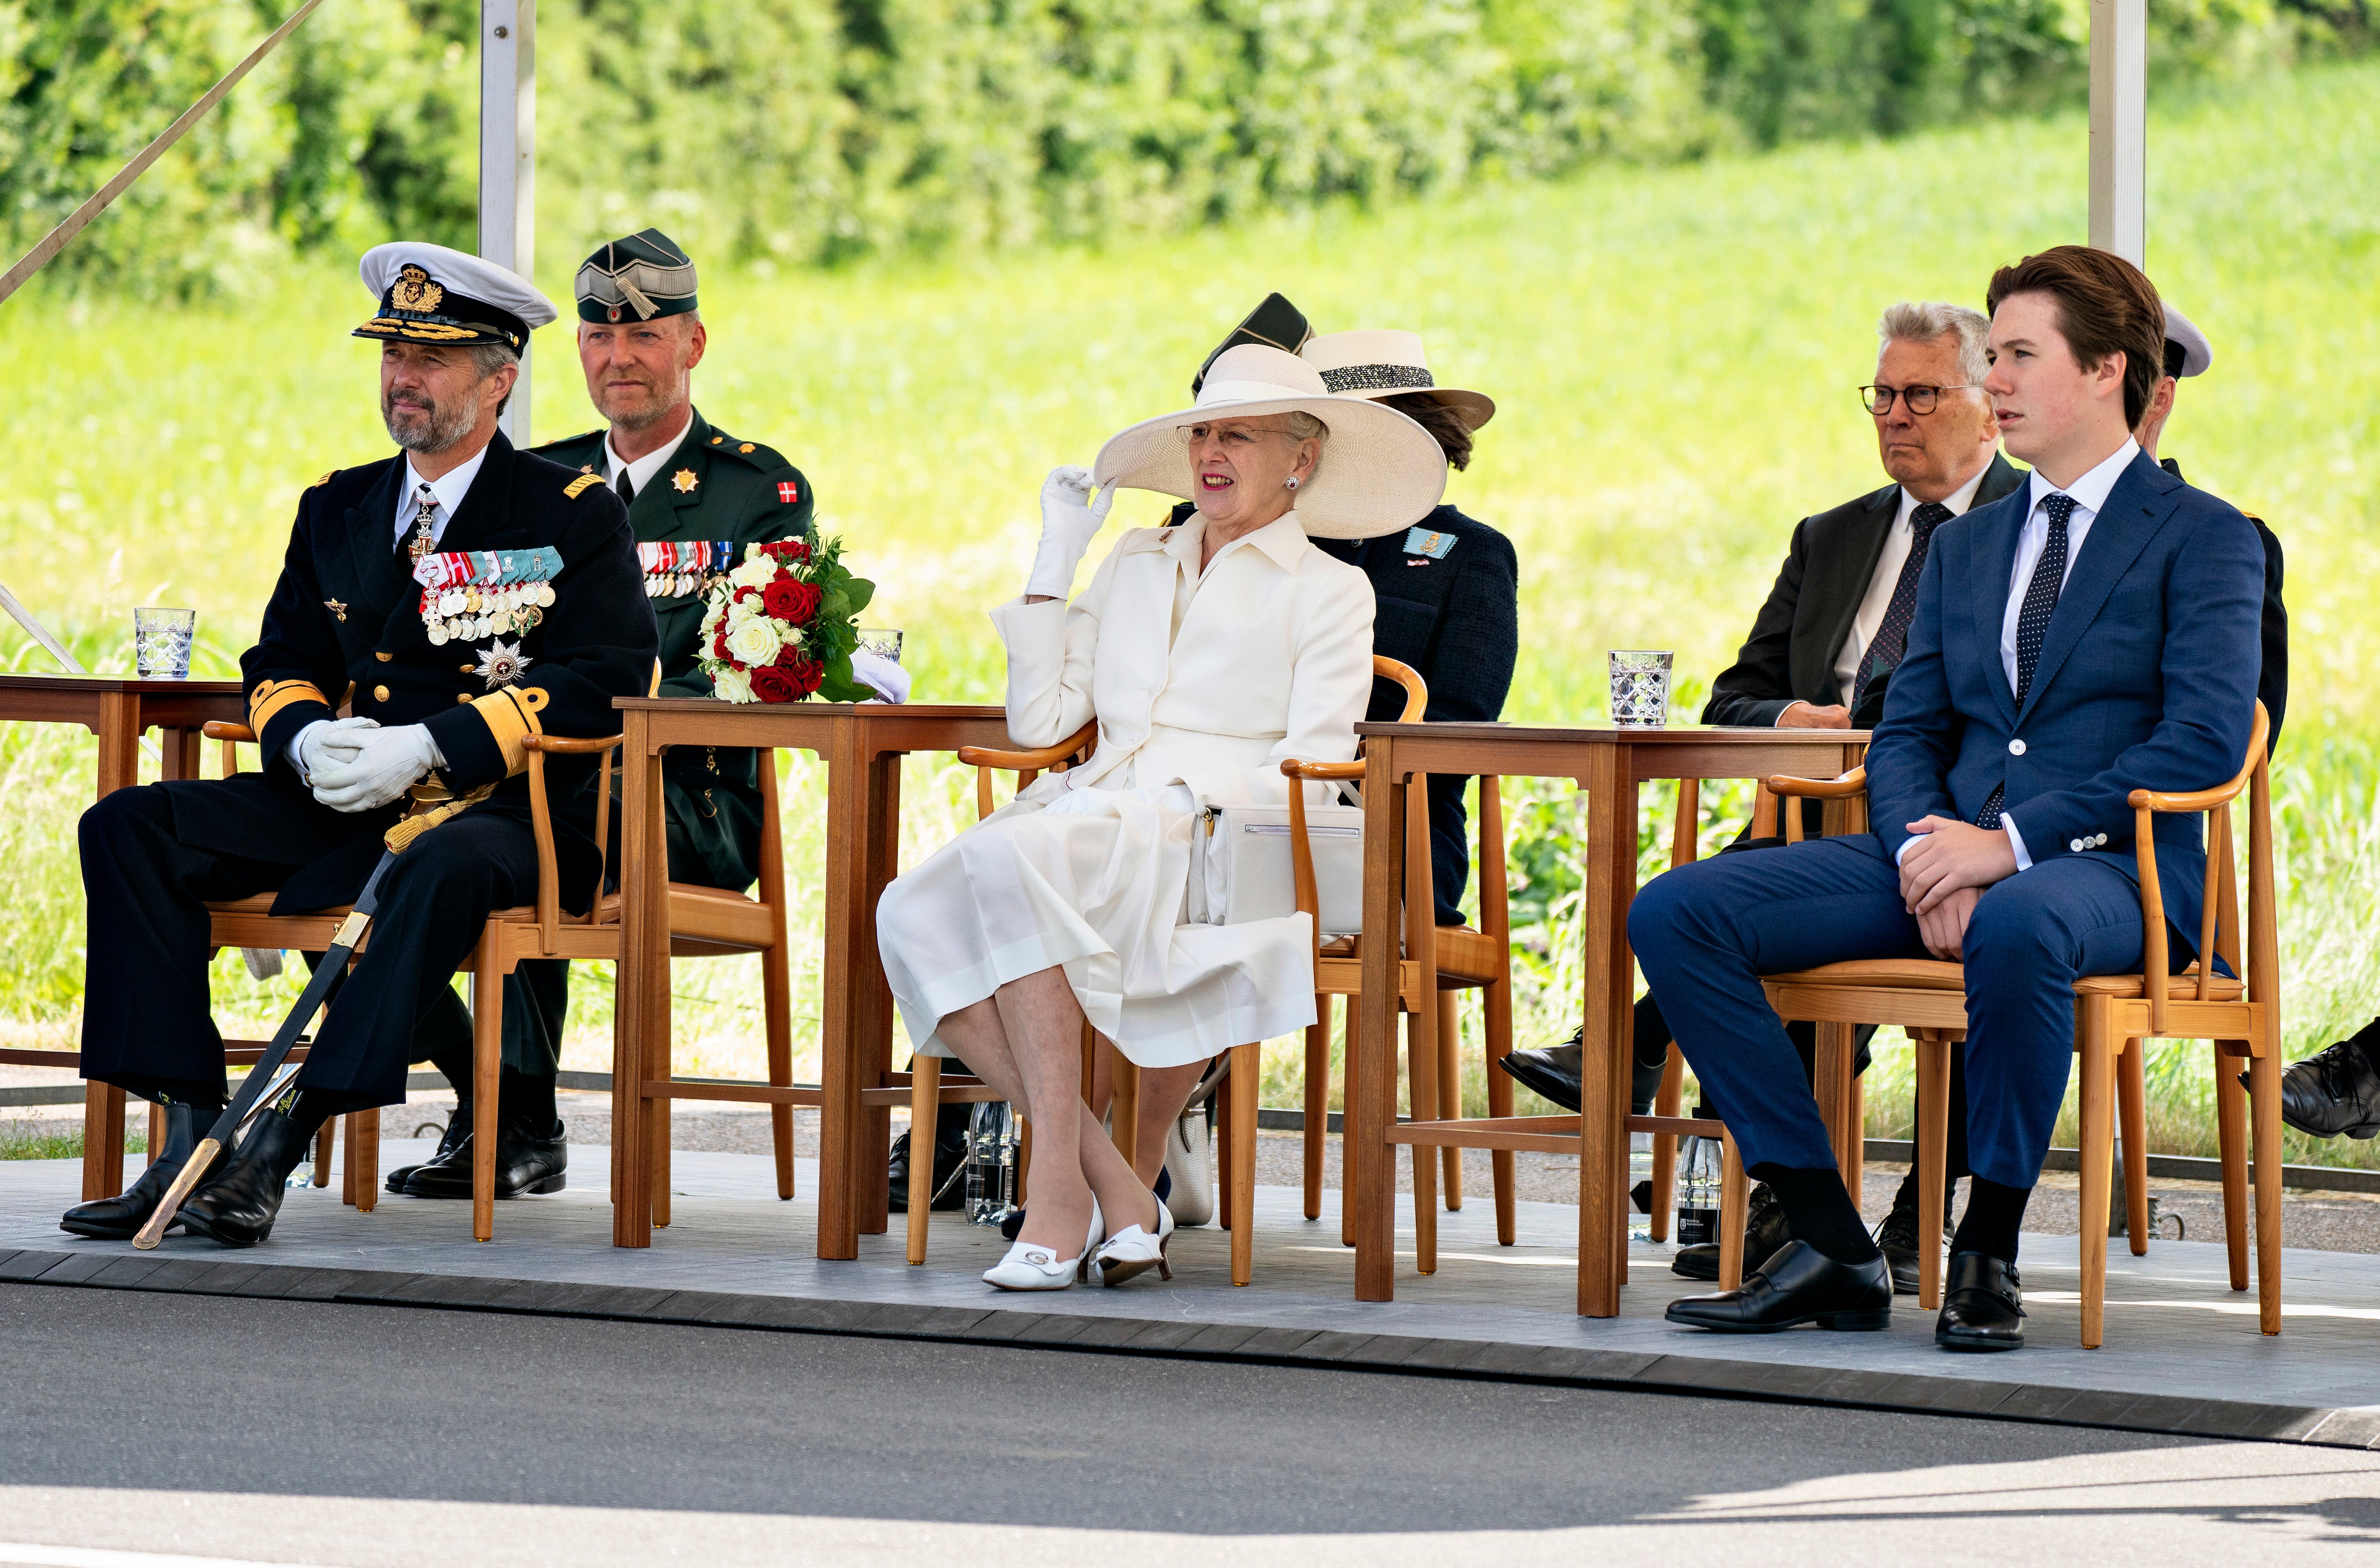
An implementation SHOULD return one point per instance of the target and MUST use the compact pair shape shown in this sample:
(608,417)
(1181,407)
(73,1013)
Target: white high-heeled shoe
(1031,1266)
(1132,1251)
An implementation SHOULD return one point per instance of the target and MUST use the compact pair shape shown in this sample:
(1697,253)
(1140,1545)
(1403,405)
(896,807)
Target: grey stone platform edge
(1395,1354)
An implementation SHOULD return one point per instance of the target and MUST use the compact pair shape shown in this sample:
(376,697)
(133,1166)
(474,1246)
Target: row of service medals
(676,569)
(471,595)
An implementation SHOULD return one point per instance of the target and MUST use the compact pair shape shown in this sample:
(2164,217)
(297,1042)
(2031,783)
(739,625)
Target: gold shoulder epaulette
(580,486)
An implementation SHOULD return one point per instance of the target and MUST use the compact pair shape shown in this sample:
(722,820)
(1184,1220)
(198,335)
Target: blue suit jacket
(2146,680)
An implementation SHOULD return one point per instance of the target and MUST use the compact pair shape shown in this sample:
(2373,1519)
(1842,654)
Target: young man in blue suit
(2094,633)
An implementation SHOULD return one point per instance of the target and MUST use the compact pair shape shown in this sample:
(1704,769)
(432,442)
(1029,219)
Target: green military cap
(637,278)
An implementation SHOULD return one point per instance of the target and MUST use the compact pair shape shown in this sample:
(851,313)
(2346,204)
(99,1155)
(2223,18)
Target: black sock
(2367,1040)
(529,1101)
(1994,1214)
(1906,1197)
(1817,1210)
(456,1068)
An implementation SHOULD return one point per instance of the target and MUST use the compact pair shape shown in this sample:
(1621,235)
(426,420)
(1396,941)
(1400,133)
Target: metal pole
(2120,127)
(508,158)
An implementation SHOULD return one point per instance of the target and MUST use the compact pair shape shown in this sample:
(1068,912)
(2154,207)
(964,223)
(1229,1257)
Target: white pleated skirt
(1091,885)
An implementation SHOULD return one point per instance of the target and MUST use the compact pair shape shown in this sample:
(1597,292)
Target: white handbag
(1241,871)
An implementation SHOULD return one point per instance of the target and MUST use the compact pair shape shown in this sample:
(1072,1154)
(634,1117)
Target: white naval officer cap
(431,294)
(2197,354)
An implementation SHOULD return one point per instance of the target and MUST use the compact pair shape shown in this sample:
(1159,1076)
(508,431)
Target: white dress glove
(891,681)
(389,762)
(1069,518)
(326,741)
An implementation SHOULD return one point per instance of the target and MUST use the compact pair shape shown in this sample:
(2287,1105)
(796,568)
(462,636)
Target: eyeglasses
(1916,399)
(1234,437)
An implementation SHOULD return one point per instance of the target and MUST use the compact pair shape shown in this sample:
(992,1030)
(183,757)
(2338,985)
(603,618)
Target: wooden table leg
(1608,1056)
(178,750)
(874,1185)
(1369,1181)
(118,730)
(642,977)
(840,992)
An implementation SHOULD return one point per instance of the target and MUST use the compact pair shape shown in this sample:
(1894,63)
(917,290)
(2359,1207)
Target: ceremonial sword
(252,1090)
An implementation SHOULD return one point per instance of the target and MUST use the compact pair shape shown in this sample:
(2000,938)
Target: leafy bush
(807,131)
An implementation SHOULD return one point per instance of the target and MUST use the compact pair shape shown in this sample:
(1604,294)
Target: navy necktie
(2033,621)
(1893,635)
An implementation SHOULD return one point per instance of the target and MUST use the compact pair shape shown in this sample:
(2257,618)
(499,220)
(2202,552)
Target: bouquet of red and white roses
(783,625)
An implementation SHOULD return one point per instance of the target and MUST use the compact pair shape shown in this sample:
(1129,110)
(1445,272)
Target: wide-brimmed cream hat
(1379,472)
(1379,362)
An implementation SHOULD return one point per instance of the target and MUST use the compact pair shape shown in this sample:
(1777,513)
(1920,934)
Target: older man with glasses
(1822,650)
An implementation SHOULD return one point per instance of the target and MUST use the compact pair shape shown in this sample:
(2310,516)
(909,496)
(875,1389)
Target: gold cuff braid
(270,697)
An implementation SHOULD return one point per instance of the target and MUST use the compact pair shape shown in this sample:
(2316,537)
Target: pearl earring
(1292,481)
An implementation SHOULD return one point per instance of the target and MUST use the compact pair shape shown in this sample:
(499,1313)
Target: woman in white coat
(1208,653)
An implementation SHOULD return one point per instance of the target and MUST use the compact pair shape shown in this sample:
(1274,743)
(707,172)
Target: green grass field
(1673,352)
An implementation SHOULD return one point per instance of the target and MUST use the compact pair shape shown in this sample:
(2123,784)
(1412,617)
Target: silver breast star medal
(503,663)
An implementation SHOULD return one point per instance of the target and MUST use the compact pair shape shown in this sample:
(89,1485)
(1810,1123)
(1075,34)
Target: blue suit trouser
(1706,933)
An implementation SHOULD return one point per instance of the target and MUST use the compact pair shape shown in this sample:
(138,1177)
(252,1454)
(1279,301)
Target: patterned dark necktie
(1892,635)
(2033,621)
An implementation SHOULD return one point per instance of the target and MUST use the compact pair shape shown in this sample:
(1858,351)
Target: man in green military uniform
(697,496)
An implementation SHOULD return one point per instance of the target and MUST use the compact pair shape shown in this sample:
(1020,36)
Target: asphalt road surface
(153,1431)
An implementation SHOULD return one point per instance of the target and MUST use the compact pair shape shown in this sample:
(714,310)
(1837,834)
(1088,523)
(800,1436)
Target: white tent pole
(508,158)
(2120,127)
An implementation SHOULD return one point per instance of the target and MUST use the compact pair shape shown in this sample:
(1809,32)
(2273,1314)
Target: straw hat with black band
(1378,472)
(1381,362)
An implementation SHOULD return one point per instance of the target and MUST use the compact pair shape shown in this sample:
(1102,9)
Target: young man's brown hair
(2105,306)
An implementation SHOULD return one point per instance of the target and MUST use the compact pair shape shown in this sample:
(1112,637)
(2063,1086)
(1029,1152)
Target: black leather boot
(458,1128)
(1983,1305)
(237,1207)
(120,1217)
(524,1164)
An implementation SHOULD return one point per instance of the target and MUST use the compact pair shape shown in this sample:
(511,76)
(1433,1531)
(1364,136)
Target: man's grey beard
(644,419)
(441,428)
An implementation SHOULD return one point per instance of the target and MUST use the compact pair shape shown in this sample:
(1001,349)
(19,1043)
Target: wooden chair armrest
(1293,769)
(1048,756)
(2146,803)
(221,729)
(561,745)
(1843,788)
(2207,799)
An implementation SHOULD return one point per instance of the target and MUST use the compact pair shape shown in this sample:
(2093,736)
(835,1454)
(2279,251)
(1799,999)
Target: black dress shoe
(1899,1239)
(237,1207)
(458,1127)
(1799,1285)
(949,1154)
(1983,1305)
(2335,1090)
(120,1217)
(1553,1074)
(524,1164)
(1763,1232)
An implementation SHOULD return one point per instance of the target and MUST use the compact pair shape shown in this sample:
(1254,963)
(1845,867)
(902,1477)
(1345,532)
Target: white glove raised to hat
(884,677)
(390,761)
(1069,518)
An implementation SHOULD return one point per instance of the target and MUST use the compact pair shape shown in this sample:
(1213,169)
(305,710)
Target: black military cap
(637,278)
(1276,324)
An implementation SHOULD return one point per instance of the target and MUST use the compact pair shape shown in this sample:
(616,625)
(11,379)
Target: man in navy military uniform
(442,704)
(694,493)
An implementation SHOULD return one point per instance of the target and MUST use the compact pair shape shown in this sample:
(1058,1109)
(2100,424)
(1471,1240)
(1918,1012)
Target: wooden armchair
(2113,1014)
(929,1088)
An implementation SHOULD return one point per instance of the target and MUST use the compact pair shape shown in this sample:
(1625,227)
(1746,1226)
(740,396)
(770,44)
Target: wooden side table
(116,709)
(1608,764)
(862,745)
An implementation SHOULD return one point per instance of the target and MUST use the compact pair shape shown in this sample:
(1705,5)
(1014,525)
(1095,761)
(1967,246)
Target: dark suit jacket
(2146,680)
(1455,617)
(2273,683)
(1790,657)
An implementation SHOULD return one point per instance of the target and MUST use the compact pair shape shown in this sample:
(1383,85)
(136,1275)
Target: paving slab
(2182,1353)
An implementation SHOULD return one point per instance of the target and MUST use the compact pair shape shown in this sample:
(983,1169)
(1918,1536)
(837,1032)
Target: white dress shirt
(447,490)
(2088,494)
(1898,543)
(644,469)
